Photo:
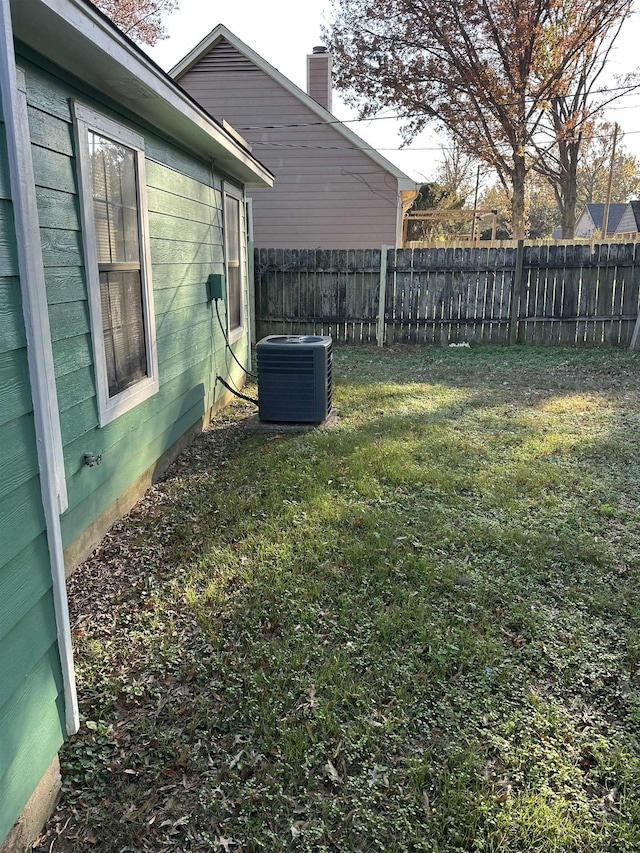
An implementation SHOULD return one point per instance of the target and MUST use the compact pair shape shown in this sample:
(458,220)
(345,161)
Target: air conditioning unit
(294,378)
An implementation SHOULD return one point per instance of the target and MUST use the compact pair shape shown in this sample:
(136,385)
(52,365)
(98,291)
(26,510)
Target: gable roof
(635,207)
(596,212)
(78,38)
(220,33)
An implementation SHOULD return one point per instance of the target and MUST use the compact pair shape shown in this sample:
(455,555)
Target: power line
(303,146)
(628,88)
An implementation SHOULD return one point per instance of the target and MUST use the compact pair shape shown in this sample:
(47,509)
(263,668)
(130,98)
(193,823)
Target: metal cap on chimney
(319,76)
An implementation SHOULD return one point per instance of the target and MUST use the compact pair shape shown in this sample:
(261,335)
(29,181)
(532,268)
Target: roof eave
(79,39)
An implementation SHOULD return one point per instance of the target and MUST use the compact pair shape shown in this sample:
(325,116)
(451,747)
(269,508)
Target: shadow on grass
(418,631)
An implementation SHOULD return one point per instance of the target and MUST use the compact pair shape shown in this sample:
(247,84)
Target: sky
(284,31)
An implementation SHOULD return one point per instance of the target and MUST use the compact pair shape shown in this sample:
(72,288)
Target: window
(111,165)
(233,261)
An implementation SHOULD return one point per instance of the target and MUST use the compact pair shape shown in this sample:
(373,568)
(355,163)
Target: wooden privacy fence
(550,294)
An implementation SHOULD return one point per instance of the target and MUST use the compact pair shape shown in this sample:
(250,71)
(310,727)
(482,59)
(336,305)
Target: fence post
(382,294)
(516,290)
(636,334)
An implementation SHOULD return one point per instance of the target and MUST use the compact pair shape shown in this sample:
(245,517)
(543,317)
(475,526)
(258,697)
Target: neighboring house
(332,190)
(119,197)
(630,220)
(621,219)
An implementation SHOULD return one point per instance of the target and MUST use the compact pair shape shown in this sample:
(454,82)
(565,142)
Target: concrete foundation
(253,424)
(36,813)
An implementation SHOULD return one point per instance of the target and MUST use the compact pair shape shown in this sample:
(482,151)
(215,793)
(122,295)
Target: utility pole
(605,218)
(476,224)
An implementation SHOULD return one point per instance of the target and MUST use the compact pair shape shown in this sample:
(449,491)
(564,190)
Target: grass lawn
(417,631)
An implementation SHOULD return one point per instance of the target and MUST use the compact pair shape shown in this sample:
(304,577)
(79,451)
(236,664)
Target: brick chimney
(319,76)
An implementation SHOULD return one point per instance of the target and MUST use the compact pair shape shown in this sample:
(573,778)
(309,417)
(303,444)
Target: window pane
(113,174)
(232,224)
(234,279)
(234,307)
(123,327)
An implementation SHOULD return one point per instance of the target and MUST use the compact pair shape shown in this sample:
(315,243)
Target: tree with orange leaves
(141,20)
(488,70)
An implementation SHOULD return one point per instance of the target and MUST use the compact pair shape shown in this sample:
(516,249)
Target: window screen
(115,210)
(234,279)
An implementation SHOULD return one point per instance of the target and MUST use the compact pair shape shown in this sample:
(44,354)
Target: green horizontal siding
(25,644)
(48,131)
(21,518)
(8,254)
(23,580)
(175,298)
(79,420)
(57,209)
(15,387)
(71,354)
(185,228)
(61,248)
(21,714)
(163,202)
(33,731)
(176,252)
(11,325)
(174,228)
(84,500)
(170,180)
(18,454)
(69,320)
(30,674)
(75,388)
(163,408)
(189,323)
(175,277)
(65,284)
(53,170)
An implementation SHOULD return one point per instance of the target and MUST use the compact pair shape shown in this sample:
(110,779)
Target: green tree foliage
(434,196)
(485,70)
(541,210)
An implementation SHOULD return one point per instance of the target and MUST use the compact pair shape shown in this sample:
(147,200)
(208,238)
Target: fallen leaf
(331,772)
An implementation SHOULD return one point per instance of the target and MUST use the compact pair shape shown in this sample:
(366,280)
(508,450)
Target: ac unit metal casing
(294,378)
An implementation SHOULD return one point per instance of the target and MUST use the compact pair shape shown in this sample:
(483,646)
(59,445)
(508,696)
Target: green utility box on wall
(215,286)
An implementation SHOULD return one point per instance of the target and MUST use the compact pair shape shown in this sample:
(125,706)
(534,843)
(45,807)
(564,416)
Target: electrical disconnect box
(215,286)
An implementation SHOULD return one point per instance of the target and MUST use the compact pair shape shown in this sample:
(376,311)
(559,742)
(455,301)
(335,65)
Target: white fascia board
(78,38)
(221,32)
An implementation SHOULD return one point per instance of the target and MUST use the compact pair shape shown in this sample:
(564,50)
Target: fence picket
(573,294)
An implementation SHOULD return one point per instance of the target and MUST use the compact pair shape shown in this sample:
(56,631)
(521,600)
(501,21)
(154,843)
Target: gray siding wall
(627,223)
(326,195)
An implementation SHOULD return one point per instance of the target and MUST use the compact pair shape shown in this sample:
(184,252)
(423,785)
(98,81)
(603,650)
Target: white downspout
(39,349)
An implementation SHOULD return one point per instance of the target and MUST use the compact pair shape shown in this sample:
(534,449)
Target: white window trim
(85,120)
(238,194)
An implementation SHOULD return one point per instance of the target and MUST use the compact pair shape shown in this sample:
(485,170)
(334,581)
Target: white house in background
(332,189)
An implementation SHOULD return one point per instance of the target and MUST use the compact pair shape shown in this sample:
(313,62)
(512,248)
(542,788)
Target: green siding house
(121,204)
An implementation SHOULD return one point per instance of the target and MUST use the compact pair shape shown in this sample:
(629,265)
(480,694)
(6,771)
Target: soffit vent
(224,57)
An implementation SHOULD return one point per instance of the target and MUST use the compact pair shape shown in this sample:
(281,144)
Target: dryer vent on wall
(294,378)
